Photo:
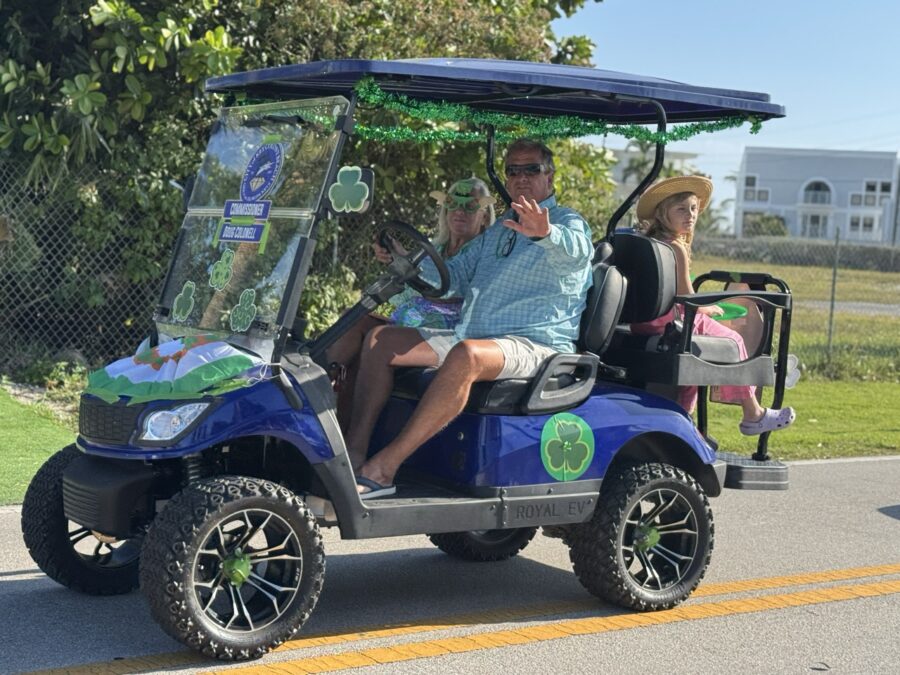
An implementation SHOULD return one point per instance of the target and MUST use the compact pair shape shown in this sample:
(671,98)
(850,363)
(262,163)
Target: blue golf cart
(207,463)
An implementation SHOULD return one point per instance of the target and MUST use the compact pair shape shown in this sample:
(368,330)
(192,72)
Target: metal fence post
(834,269)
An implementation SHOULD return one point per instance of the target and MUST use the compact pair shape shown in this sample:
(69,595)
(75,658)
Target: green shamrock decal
(221,270)
(567,446)
(184,302)
(349,193)
(244,312)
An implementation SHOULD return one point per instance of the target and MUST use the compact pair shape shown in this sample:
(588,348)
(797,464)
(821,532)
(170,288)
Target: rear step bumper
(744,473)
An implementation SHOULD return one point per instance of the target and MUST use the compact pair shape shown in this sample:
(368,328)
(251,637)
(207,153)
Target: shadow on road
(362,591)
(891,511)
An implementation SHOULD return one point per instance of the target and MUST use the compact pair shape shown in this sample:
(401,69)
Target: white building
(817,192)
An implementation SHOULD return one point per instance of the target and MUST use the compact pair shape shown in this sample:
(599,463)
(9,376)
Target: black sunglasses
(523,169)
(505,245)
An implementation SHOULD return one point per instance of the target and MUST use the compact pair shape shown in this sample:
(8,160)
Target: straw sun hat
(699,185)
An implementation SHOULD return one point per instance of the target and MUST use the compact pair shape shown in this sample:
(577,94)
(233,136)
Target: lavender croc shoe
(772,420)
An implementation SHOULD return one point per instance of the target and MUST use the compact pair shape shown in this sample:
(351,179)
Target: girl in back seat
(668,211)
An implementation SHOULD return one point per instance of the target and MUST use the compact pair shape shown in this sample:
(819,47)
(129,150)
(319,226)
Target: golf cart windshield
(254,201)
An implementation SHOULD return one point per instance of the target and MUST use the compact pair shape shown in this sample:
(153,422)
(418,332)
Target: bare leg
(383,348)
(468,362)
(752,409)
(346,349)
(346,353)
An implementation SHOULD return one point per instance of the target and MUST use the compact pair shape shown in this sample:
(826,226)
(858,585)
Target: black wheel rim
(102,553)
(247,570)
(660,540)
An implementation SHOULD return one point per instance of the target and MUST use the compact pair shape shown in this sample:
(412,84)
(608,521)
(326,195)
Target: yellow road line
(157,662)
(795,580)
(439,623)
(564,629)
(506,615)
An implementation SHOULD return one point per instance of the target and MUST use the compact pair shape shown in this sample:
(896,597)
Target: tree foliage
(763,225)
(103,99)
(86,80)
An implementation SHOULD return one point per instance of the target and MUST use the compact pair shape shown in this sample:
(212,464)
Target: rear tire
(484,545)
(650,540)
(66,552)
(233,566)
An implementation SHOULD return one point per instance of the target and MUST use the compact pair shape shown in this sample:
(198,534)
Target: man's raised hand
(534,221)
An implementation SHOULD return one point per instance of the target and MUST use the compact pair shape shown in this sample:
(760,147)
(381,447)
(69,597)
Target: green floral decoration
(567,446)
(222,270)
(511,126)
(184,302)
(349,193)
(244,312)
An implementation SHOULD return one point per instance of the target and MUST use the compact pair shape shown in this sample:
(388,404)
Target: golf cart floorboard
(419,508)
(745,473)
(424,493)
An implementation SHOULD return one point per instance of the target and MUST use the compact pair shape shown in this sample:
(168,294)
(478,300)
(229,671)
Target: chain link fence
(63,298)
(846,298)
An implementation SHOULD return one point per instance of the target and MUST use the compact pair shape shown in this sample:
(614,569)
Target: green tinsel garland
(511,126)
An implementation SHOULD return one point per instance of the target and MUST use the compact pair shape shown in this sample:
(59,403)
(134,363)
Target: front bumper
(113,497)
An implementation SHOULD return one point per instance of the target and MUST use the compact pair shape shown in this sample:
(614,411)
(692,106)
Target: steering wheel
(425,249)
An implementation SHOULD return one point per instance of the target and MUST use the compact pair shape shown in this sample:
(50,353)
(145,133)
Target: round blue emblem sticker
(262,172)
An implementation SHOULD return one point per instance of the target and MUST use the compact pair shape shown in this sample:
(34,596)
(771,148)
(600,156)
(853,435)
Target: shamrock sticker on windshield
(567,446)
(184,302)
(244,312)
(222,270)
(349,193)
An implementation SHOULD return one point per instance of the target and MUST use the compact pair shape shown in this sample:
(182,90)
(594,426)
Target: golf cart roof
(507,86)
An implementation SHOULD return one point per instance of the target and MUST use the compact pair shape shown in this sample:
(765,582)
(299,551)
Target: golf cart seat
(677,357)
(564,380)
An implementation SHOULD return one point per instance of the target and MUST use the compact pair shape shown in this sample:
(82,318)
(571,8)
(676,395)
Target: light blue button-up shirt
(513,285)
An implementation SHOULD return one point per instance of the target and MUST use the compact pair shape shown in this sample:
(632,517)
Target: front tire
(650,540)
(70,554)
(484,545)
(233,566)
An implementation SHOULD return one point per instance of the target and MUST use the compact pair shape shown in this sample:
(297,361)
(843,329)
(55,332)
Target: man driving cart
(524,284)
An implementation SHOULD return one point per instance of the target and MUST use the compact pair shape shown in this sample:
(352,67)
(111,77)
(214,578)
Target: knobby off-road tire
(233,566)
(650,540)
(484,545)
(66,552)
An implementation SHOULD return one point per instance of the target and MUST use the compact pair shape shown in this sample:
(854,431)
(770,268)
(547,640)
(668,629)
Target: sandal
(771,420)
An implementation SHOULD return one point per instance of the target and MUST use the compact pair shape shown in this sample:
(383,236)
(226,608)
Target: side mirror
(188,190)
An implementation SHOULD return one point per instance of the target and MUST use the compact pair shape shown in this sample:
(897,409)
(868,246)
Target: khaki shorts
(521,357)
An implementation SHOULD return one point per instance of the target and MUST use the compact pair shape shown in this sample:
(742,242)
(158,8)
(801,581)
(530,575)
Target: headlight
(164,425)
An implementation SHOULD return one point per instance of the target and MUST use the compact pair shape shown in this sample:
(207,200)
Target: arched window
(817,192)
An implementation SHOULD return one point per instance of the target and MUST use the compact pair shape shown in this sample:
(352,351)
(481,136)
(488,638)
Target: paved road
(840,523)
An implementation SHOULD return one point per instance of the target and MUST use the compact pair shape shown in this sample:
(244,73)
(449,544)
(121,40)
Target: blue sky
(832,65)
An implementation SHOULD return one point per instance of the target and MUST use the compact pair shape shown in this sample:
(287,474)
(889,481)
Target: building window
(762,195)
(750,181)
(855,199)
(871,186)
(814,225)
(886,188)
(870,200)
(884,199)
(749,195)
(817,192)
(863,226)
